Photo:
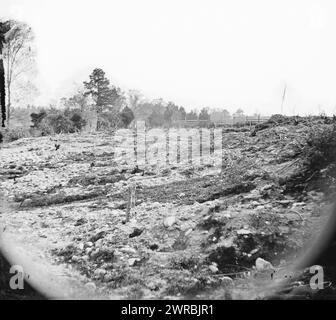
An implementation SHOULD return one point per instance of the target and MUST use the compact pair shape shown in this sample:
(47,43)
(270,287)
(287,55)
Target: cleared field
(197,227)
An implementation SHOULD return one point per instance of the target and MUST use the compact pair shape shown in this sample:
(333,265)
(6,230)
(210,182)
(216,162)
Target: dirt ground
(196,230)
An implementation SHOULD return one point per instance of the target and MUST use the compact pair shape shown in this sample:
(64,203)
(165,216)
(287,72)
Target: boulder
(263,265)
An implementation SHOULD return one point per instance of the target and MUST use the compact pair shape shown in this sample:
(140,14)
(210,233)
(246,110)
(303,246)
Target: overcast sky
(224,54)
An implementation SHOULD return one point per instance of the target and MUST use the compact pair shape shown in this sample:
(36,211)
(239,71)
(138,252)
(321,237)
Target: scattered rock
(128,250)
(154,246)
(213,268)
(80,222)
(254,204)
(75,259)
(262,265)
(244,232)
(268,187)
(88,251)
(205,211)
(188,232)
(285,203)
(254,251)
(98,236)
(227,281)
(133,261)
(156,284)
(99,273)
(136,232)
(214,202)
(298,204)
(169,221)
(227,243)
(284,229)
(26,203)
(91,286)
(94,253)
(108,277)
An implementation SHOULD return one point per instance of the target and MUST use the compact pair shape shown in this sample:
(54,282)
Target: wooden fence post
(135,142)
(201,145)
(178,154)
(167,146)
(212,142)
(131,200)
(190,150)
(146,146)
(223,156)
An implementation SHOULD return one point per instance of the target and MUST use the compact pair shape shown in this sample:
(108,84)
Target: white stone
(132,261)
(244,232)
(262,265)
(169,221)
(213,268)
(188,232)
(128,250)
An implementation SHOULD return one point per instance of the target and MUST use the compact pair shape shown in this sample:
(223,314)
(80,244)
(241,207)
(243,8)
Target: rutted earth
(196,231)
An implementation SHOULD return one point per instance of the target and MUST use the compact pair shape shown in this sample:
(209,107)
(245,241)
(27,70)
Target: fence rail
(234,121)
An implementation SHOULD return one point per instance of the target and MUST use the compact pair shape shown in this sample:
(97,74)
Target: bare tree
(135,99)
(19,56)
(4,28)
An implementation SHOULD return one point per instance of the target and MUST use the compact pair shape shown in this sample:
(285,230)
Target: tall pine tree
(99,88)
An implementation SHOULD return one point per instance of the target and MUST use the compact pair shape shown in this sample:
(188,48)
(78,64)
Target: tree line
(113,107)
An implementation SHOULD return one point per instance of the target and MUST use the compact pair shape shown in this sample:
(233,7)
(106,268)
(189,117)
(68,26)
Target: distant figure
(1,138)
(57,146)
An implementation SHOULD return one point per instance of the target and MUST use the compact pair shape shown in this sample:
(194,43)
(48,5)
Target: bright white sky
(224,54)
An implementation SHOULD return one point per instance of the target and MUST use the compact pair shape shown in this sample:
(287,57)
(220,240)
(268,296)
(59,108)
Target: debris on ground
(195,232)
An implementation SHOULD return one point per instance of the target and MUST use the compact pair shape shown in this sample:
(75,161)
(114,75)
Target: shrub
(156,119)
(109,120)
(37,118)
(10,135)
(56,124)
(126,116)
(320,150)
(319,161)
(78,121)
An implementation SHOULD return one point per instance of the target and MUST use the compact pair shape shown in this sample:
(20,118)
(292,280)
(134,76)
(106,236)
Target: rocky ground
(197,231)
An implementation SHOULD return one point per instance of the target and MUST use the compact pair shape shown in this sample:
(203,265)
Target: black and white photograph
(167,151)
